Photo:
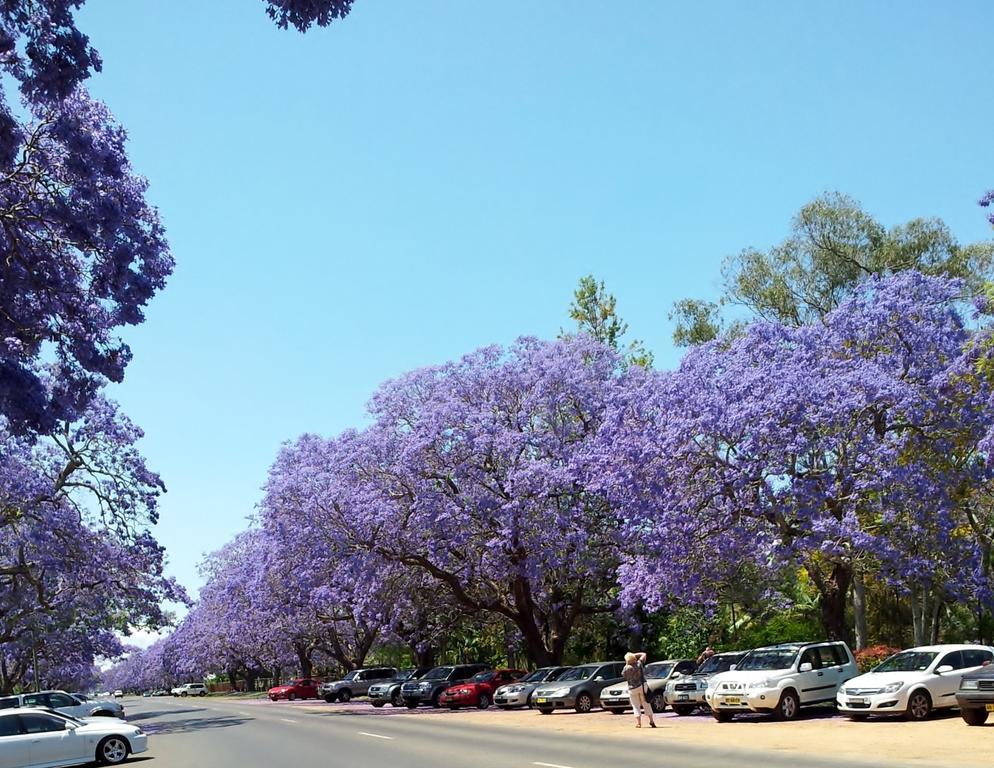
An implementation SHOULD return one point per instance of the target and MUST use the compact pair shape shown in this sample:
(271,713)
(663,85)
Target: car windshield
(351,675)
(405,674)
(907,661)
(578,673)
(537,676)
(483,677)
(656,671)
(718,664)
(768,658)
(439,673)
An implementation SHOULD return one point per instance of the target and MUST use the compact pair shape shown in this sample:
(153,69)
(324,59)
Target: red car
(301,688)
(478,691)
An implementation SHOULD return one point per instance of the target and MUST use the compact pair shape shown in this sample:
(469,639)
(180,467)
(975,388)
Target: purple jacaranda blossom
(303,13)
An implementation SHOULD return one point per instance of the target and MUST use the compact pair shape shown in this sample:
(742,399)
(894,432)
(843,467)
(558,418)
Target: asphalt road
(228,733)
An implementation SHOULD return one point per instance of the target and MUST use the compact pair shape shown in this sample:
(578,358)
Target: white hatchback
(913,683)
(33,738)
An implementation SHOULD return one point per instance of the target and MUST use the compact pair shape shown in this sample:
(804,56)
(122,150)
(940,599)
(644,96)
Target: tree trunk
(834,592)
(859,610)
(250,678)
(918,616)
(936,621)
(424,656)
(304,657)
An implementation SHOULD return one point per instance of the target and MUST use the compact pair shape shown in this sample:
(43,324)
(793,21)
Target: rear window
(9,703)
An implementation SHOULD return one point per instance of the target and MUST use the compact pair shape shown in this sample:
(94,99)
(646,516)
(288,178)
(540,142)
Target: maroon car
(301,688)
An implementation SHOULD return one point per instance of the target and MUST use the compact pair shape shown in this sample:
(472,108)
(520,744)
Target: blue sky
(427,177)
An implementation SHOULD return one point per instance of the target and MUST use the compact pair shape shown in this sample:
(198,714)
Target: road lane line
(244,714)
(287,720)
(375,735)
(553,765)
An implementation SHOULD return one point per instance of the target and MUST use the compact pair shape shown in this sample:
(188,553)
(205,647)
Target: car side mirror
(944,668)
(805,667)
(733,667)
(599,677)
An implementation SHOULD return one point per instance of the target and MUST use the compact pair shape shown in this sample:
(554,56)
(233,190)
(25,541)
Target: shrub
(871,657)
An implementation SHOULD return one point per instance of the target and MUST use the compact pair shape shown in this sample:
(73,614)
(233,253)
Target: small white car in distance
(190,689)
(39,738)
(912,683)
(780,679)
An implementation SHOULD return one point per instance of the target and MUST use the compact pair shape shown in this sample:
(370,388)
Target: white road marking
(287,720)
(553,765)
(244,714)
(375,735)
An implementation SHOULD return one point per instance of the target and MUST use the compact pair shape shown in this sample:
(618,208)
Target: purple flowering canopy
(467,477)
(837,447)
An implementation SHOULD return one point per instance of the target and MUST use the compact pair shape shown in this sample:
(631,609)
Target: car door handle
(821,674)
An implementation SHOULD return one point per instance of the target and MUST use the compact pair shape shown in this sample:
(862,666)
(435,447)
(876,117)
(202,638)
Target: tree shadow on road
(191,726)
(163,713)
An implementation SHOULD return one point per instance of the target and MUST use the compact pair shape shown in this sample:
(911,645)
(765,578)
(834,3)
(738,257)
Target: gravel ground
(944,740)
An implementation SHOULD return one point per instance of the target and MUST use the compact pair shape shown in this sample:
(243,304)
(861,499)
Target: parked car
(429,689)
(478,691)
(519,694)
(64,703)
(685,692)
(298,688)
(161,692)
(39,738)
(355,683)
(388,692)
(780,679)
(578,688)
(614,698)
(190,689)
(912,683)
(975,696)
(118,694)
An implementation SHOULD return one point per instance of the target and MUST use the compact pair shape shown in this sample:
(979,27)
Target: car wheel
(330,698)
(113,750)
(434,700)
(789,706)
(584,703)
(721,716)
(411,704)
(658,702)
(101,713)
(291,696)
(682,709)
(483,702)
(344,695)
(397,700)
(183,694)
(546,711)
(974,716)
(919,706)
(203,693)
(378,704)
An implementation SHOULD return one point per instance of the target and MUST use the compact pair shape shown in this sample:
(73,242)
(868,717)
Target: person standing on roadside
(634,674)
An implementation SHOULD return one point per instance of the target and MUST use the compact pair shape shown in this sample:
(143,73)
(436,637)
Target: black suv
(430,687)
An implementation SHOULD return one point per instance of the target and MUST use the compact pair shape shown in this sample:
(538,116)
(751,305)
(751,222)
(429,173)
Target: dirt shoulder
(943,741)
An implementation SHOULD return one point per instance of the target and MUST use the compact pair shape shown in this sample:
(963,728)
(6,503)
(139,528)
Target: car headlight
(970,685)
(761,684)
(424,686)
(892,687)
(560,692)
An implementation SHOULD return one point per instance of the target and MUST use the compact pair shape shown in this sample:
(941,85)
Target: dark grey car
(577,688)
(428,689)
(388,691)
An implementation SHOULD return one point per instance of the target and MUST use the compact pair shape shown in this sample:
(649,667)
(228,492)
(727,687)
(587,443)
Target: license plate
(682,697)
(859,700)
(540,701)
(733,700)
(989,707)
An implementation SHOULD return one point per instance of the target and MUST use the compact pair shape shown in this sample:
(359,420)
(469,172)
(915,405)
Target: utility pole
(34,659)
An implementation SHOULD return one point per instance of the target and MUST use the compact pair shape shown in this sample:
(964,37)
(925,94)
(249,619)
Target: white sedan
(33,738)
(912,683)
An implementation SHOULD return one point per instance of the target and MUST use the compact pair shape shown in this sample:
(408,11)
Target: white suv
(913,682)
(190,689)
(781,679)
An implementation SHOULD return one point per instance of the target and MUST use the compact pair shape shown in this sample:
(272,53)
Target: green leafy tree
(595,313)
(833,246)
